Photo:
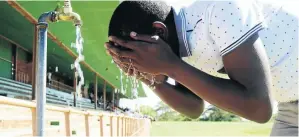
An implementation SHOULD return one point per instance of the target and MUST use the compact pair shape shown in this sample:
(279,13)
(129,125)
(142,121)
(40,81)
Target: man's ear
(160,29)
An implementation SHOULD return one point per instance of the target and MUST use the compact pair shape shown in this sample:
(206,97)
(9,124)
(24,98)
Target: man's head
(143,17)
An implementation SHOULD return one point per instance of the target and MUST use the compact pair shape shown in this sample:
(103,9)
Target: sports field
(210,129)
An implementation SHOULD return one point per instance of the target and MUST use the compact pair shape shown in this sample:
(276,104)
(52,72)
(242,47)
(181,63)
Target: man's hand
(181,99)
(148,54)
(148,79)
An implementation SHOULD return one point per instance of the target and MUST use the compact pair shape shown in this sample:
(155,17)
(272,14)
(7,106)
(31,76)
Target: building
(17,55)
(17,38)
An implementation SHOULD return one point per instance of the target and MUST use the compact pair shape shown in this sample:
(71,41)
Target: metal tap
(65,13)
(70,17)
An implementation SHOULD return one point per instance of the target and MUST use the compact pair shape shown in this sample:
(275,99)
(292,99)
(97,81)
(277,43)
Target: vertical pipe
(95,92)
(75,99)
(117,98)
(104,95)
(112,100)
(75,89)
(40,78)
(15,67)
(33,94)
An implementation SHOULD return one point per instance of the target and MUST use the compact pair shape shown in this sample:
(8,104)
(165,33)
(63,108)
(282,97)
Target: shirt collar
(180,22)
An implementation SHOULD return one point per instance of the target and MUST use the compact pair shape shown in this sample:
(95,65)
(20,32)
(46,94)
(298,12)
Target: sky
(152,99)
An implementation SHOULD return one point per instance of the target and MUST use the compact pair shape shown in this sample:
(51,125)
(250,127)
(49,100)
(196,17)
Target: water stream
(125,80)
(79,48)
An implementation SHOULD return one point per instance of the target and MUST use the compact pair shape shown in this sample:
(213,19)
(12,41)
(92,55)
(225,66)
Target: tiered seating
(14,89)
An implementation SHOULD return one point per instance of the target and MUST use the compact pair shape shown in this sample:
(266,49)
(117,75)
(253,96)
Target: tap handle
(58,8)
(67,8)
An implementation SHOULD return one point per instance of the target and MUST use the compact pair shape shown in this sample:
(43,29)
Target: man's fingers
(126,64)
(127,69)
(108,52)
(107,45)
(122,60)
(123,43)
(145,81)
(122,53)
(145,38)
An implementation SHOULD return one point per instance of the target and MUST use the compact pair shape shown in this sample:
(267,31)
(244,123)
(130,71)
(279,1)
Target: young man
(255,44)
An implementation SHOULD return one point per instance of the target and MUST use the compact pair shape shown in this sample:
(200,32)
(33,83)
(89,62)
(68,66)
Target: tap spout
(71,16)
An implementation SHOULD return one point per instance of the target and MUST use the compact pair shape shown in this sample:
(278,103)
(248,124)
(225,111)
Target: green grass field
(210,129)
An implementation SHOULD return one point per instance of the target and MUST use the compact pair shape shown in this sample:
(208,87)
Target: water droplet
(79,48)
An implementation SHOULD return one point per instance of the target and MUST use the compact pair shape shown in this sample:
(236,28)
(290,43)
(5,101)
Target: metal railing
(24,78)
(117,126)
(60,86)
(21,90)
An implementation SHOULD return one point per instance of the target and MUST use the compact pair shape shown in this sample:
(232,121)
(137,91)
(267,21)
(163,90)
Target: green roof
(95,16)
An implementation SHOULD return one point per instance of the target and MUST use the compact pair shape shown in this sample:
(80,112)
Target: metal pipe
(41,60)
(41,70)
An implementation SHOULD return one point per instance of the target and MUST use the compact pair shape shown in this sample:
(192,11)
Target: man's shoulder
(178,5)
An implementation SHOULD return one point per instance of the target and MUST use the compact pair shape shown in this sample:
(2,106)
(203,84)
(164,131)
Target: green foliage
(149,111)
(211,114)
(185,118)
(167,116)
(163,108)
(216,114)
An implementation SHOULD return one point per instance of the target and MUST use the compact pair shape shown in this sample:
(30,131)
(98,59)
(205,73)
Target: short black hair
(137,16)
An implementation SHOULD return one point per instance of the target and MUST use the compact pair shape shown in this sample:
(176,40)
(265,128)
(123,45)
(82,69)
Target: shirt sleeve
(233,22)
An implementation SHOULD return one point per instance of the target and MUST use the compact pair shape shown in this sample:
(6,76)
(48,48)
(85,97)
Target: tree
(163,108)
(212,113)
(215,114)
(165,113)
(185,118)
(149,111)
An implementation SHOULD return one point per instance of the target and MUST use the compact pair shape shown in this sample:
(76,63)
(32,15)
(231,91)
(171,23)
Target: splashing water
(132,80)
(79,48)
(121,82)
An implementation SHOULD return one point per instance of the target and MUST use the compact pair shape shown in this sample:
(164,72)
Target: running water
(121,82)
(125,80)
(133,81)
(79,47)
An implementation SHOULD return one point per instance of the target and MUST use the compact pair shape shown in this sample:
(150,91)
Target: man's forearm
(224,93)
(182,101)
